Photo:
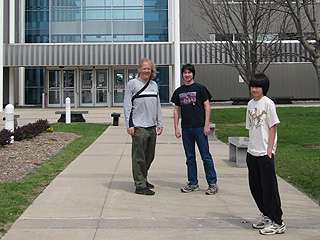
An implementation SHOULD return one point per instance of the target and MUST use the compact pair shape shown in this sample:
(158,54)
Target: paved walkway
(93,197)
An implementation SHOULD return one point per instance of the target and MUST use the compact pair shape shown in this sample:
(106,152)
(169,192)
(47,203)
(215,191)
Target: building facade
(89,49)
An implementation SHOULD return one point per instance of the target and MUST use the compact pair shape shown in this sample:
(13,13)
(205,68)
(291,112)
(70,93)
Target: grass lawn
(298,154)
(17,196)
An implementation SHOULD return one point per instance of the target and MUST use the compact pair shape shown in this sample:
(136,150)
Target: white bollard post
(68,112)
(43,100)
(9,115)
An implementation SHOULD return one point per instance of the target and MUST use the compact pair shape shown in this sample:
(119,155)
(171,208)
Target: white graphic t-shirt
(261,115)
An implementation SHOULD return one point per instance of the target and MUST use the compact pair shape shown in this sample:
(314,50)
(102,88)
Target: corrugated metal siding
(213,52)
(28,55)
(286,80)
(130,54)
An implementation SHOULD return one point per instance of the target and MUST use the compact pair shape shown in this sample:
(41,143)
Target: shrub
(21,133)
(28,131)
(5,136)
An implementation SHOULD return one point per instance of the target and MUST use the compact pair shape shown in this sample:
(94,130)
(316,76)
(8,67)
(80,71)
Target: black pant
(264,186)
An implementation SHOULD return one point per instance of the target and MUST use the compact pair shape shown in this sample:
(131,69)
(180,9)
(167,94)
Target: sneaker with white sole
(273,228)
(190,188)
(212,189)
(262,223)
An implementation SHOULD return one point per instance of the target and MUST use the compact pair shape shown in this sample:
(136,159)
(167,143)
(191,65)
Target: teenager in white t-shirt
(262,120)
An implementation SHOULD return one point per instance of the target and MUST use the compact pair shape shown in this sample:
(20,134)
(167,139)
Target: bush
(5,136)
(28,131)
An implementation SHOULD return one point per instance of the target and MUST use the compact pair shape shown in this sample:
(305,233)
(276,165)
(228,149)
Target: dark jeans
(143,151)
(190,136)
(264,186)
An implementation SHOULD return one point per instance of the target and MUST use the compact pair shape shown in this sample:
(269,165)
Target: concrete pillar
(176,44)
(1,53)
(21,85)
(12,39)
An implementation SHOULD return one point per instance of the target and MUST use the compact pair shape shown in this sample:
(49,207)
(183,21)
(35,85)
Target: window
(34,85)
(162,79)
(37,21)
(96,21)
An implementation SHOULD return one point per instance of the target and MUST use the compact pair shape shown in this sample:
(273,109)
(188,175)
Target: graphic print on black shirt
(188,98)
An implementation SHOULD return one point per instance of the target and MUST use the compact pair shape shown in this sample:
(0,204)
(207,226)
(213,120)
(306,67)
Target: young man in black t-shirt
(192,103)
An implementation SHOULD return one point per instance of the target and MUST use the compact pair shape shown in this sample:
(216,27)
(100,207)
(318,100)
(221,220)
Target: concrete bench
(15,120)
(211,136)
(76,116)
(238,150)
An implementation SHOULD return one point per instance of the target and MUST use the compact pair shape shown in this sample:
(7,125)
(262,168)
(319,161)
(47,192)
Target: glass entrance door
(118,87)
(101,87)
(61,85)
(120,79)
(86,92)
(94,87)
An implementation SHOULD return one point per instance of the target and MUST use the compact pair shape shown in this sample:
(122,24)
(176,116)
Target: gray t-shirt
(146,108)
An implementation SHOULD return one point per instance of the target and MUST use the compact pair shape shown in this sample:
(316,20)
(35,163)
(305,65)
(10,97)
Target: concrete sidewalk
(93,198)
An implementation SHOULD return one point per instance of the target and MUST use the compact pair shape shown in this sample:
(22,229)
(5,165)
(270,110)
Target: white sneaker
(262,223)
(274,228)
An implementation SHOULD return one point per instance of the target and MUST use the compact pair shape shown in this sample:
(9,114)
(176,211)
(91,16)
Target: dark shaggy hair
(260,80)
(188,67)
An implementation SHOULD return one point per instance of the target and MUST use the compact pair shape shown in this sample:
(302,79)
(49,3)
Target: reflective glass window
(156,35)
(37,20)
(34,85)
(97,38)
(65,38)
(127,3)
(156,19)
(37,4)
(66,14)
(37,36)
(155,4)
(98,21)
(66,3)
(95,3)
(132,13)
(96,13)
(162,79)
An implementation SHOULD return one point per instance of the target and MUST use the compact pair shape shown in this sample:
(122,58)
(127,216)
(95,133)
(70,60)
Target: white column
(176,44)
(21,85)
(11,85)
(1,53)
(12,39)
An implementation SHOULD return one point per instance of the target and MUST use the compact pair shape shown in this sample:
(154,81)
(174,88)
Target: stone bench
(238,147)
(76,116)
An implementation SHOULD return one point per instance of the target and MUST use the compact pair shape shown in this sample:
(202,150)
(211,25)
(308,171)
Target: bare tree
(247,31)
(305,17)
